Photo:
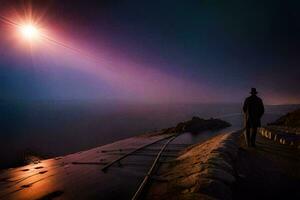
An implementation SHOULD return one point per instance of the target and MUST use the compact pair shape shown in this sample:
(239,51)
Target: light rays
(29,32)
(137,79)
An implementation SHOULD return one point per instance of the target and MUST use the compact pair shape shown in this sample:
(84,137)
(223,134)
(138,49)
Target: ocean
(54,128)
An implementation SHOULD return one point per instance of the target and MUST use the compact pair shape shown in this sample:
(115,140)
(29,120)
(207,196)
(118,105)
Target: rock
(219,174)
(220,163)
(230,143)
(204,171)
(180,171)
(189,181)
(224,155)
(291,119)
(197,124)
(213,188)
(193,196)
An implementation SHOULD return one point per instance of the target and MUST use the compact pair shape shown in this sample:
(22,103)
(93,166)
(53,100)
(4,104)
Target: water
(59,128)
(236,121)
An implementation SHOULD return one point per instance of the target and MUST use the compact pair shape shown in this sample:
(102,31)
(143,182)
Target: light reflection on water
(58,129)
(236,120)
(41,185)
(33,180)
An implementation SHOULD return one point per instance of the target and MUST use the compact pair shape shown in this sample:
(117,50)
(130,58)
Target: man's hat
(253,91)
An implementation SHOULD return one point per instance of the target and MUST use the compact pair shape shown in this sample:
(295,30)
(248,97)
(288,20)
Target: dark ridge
(197,124)
(291,119)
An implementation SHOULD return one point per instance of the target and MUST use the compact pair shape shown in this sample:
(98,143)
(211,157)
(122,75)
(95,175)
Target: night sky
(153,51)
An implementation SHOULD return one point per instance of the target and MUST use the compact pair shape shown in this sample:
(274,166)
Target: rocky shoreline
(224,167)
(290,120)
(203,171)
(197,124)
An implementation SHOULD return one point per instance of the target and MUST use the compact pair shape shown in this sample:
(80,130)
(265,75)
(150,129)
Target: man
(253,109)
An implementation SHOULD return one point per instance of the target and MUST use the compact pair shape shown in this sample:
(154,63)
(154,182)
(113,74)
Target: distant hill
(197,124)
(291,119)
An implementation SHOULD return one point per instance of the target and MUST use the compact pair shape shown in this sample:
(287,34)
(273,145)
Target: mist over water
(62,127)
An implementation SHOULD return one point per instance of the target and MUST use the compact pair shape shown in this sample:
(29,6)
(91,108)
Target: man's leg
(247,136)
(253,136)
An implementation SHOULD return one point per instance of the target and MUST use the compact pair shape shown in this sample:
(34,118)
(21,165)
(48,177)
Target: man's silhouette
(253,109)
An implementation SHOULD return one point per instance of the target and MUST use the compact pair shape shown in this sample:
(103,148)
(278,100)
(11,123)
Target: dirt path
(269,171)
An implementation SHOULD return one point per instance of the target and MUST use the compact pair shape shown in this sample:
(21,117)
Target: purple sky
(152,51)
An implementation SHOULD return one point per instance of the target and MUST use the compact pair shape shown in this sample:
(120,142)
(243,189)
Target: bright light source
(29,31)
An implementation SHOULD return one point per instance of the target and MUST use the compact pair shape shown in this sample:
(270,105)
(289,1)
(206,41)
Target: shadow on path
(269,171)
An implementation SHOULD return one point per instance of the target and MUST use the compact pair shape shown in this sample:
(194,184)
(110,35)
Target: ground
(269,171)
(202,171)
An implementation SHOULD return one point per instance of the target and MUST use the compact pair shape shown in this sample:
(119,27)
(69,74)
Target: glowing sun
(29,31)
